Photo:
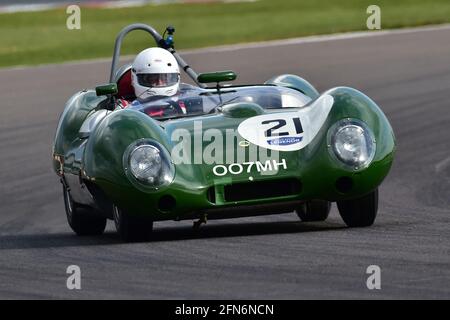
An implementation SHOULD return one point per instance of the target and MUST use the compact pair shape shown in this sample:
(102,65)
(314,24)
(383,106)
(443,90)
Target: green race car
(218,151)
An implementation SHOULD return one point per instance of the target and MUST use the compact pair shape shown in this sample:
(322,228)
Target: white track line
(265,44)
(441,165)
(320,38)
(106,4)
(13,8)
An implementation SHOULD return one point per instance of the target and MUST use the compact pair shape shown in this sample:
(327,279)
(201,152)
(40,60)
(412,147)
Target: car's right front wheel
(132,228)
(360,212)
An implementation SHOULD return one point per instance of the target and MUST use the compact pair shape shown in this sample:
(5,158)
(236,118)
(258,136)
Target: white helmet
(155,72)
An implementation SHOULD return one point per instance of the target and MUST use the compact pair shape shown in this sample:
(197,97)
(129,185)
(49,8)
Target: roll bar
(159,42)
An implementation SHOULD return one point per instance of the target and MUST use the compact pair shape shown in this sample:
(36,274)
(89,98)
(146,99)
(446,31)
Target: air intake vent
(211,194)
(262,189)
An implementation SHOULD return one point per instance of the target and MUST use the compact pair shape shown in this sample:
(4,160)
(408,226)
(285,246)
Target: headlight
(352,143)
(147,165)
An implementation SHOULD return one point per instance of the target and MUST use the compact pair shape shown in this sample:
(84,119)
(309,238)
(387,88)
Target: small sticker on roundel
(287,131)
(284,141)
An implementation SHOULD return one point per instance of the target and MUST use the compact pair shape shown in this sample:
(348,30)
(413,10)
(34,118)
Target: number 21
(280,124)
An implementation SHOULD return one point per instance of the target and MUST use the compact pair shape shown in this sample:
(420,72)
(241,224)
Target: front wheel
(84,221)
(132,228)
(314,210)
(360,212)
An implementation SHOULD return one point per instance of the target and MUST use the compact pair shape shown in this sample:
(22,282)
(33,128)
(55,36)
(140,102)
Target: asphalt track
(271,257)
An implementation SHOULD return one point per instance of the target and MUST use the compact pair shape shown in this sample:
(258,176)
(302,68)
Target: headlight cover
(352,143)
(148,165)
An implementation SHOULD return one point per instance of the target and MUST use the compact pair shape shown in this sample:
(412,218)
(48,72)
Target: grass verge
(29,38)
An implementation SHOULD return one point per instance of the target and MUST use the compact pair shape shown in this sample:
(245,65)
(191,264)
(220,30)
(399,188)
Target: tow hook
(203,219)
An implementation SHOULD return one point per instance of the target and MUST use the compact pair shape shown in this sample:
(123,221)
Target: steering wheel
(165,109)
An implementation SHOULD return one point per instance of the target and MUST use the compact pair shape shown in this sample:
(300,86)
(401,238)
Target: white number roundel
(287,131)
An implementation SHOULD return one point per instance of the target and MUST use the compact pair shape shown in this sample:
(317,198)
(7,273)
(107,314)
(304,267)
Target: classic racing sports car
(231,151)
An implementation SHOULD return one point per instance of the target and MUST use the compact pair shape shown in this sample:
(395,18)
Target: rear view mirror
(216,77)
(106,89)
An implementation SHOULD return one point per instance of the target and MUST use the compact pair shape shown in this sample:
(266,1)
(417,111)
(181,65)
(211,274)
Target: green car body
(93,164)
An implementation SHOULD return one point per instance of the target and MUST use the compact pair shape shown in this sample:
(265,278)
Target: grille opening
(211,195)
(262,189)
(166,203)
(344,184)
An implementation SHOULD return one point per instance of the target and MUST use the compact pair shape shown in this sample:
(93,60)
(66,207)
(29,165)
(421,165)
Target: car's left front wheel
(132,228)
(83,220)
(314,210)
(360,212)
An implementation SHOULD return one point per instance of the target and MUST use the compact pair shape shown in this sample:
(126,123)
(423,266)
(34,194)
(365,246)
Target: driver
(154,74)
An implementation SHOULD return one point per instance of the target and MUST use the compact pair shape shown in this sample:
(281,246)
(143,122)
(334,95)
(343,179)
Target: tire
(360,212)
(83,220)
(314,210)
(132,228)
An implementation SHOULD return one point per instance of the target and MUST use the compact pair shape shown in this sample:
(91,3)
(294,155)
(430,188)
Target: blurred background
(35,31)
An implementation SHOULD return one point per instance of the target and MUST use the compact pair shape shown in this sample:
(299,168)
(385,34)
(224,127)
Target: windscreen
(193,101)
